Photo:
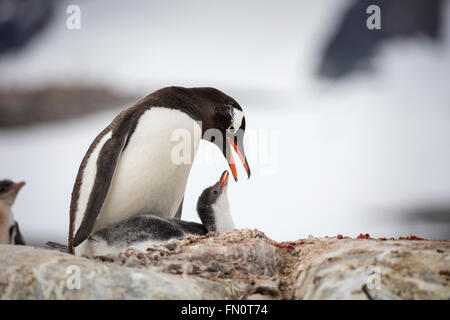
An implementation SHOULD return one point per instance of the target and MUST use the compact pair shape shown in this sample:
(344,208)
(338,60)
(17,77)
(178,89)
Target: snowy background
(327,157)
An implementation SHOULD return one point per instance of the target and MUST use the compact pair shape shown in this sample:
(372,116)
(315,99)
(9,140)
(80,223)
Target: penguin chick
(146,229)
(9,228)
(213,207)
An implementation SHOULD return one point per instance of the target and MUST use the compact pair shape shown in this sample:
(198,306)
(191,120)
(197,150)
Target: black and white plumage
(129,168)
(9,228)
(146,229)
(213,207)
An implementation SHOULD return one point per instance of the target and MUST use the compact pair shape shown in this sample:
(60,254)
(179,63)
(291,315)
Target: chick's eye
(215,192)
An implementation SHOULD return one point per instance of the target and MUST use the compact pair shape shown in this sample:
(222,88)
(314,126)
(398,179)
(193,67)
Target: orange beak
(241,157)
(18,186)
(224,180)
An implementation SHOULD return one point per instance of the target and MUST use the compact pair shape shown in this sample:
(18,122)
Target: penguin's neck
(217,217)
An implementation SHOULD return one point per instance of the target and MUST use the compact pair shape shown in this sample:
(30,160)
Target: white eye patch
(238,115)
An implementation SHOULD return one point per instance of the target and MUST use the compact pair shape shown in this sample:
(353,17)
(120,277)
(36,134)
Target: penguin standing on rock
(145,230)
(9,228)
(132,166)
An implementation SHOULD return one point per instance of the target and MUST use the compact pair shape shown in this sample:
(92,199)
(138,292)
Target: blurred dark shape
(29,107)
(430,214)
(433,216)
(353,44)
(21,20)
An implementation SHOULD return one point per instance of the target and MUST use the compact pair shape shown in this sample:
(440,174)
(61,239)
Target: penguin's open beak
(224,180)
(16,187)
(242,157)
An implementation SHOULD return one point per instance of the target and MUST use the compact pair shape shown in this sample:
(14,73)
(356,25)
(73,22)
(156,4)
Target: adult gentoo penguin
(9,228)
(130,168)
(145,229)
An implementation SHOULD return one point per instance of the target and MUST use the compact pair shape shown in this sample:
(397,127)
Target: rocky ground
(243,264)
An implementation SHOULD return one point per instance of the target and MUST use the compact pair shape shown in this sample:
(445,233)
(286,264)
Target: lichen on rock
(242,264)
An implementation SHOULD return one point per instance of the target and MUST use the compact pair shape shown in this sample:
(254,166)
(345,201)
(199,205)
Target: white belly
(146,177)
(6,221)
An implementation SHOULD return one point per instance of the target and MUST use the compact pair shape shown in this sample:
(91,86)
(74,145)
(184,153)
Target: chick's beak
(224,180)
(16,187)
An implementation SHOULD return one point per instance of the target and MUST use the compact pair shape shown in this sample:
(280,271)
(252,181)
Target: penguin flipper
(15,235)
(106,165)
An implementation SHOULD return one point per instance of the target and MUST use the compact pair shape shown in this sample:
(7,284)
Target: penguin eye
(231,129)
(215,192)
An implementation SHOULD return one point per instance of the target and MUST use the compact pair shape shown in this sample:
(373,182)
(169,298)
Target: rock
(243,264)
(22,21)
(400,19)
(372,269)
(26,107)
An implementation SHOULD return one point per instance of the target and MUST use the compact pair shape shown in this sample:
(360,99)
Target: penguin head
(211,194)
(214,202)
(222,119)
(224,125)
(9,191)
